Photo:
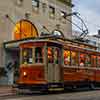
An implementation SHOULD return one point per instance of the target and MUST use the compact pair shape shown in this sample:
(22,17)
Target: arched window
(24,29)
(58,33)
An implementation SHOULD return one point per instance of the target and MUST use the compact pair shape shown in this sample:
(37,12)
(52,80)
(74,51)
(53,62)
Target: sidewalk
(7,90)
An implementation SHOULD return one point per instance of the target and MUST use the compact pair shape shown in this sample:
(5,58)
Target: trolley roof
(58,40)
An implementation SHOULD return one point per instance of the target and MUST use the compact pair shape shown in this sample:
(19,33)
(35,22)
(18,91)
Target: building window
(51,12)
(67,2)
(19,2)
(44,6)
(35,5)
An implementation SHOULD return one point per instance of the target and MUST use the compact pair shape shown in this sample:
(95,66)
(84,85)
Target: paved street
(88,95)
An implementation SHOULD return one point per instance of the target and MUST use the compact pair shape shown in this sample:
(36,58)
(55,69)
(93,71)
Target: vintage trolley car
(52,63)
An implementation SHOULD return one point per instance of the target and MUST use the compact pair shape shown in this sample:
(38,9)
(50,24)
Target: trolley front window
(27,56)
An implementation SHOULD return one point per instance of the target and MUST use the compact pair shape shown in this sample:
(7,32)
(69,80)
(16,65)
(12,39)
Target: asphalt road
(86,95)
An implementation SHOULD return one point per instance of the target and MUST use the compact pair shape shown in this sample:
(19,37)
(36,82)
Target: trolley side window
(57,55)
(50,55)
(27,56)
(38,55)
(88,60)
(82,59)
(67,57)
(98,59)
(74,58)
(94,60)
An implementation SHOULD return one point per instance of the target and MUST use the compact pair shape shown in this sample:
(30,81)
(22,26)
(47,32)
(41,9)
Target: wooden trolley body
(54,64)
(42,67)
(83,68)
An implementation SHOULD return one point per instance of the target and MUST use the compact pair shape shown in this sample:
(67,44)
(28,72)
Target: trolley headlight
(24,73)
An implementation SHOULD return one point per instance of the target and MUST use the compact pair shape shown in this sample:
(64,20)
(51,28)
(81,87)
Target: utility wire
(84,31)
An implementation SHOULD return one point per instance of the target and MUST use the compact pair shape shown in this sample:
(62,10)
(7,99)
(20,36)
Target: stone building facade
(46,15)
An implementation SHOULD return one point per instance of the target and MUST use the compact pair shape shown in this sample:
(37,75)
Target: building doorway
(12,65)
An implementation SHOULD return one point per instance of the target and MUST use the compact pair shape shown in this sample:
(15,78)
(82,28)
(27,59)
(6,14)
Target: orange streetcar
(51,63)
(40,64)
